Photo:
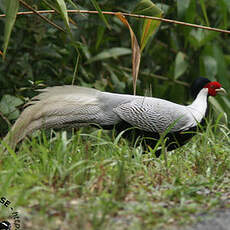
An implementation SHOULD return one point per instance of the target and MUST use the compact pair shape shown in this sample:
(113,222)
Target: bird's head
(213,87)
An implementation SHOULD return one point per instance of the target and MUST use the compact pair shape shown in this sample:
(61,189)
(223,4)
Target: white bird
(73,106)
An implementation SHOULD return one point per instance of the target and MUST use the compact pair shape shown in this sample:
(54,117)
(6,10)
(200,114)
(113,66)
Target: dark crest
(198,85)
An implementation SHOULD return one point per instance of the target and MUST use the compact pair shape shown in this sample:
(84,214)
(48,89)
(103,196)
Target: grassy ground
(95,181)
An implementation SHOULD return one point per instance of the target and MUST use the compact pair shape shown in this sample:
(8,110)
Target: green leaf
(222,68)
(11,13)
(119,86)
(224,9)
(84,48)
(110,53)
(73,5)
(191,13)
(2,6)
(210,66)
(163,7)
(13,115)
(182,7)
(218,109)
(64,14)
(199,37)
(227,2)
(204,11)
(100,35)
(100,13)
(181,65)
(8,106)
(148,8)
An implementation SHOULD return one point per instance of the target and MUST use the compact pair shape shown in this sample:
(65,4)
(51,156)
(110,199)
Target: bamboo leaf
(182,7)
(64,14)
(11,13)
(210,66)
(218,109)
(204,12)
(56,7)
(110,53)
(136,53)
(200,37)
(100,35)
(73,5)
(97,7)
(181,65)
(149,28)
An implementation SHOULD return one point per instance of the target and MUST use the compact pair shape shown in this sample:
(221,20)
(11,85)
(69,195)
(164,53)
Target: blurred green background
(41,55)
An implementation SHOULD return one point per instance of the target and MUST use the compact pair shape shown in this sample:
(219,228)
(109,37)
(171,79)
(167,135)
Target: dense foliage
(174,56)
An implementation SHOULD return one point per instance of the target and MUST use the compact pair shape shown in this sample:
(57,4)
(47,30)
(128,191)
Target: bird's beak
(221,91)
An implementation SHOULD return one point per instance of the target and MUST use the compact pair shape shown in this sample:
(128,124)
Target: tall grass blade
(11,13)
(97,7)
(64,14)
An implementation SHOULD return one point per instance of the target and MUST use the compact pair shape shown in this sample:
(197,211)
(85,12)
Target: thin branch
(126,14)
(39,14)
(178,22)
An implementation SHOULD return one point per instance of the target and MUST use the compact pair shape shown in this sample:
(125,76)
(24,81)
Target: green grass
(89,181)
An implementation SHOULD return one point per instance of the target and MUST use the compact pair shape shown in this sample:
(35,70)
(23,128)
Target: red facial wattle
(212,86)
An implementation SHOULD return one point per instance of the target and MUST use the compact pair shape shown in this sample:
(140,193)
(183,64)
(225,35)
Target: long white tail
(55,107)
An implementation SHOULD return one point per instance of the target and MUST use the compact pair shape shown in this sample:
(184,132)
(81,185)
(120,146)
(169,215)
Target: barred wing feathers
(156,115)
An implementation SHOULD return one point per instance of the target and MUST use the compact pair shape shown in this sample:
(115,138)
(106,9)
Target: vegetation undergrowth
(91,180)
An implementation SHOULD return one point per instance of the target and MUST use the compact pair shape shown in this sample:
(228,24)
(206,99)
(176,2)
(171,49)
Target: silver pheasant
(73,106)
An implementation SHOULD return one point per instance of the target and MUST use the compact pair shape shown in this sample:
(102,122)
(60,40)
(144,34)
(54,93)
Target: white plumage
(72,106)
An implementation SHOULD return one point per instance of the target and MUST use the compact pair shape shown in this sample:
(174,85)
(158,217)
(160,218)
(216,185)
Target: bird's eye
(212,86)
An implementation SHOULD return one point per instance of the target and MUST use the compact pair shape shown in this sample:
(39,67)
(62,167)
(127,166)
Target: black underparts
(150,139)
